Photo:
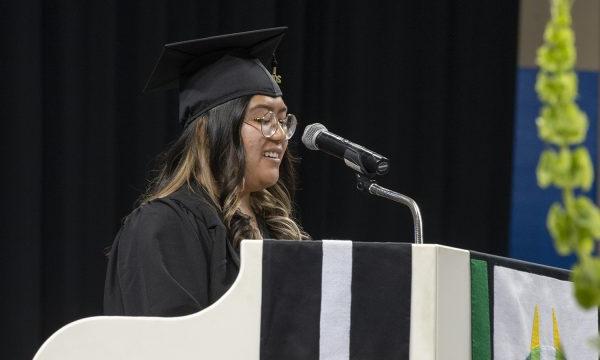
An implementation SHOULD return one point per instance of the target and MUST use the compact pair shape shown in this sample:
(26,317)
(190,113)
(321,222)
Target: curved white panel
(228,329)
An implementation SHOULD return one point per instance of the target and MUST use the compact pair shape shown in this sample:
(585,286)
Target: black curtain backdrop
(430,84)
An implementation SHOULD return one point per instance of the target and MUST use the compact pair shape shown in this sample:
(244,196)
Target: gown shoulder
(170,258)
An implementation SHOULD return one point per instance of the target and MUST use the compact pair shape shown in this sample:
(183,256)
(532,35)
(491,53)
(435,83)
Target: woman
(227,178)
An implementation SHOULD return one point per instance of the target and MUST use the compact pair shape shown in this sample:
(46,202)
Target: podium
(337,299)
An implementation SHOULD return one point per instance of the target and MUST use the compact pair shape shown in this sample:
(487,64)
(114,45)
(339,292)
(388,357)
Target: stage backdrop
(430,84)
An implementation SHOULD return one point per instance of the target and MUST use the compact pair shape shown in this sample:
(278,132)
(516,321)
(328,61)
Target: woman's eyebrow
(268,107)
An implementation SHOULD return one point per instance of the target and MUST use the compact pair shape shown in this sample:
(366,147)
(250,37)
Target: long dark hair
(210,154)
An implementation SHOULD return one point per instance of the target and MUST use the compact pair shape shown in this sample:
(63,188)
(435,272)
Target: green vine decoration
(574,223)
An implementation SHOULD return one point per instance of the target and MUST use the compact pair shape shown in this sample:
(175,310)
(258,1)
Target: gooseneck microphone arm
(367,165)
(363,183)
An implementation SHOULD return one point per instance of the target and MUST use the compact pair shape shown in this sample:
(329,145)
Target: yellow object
(535,331)
(555,332)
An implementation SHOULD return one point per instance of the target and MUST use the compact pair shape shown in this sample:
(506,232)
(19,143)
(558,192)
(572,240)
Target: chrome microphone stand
(363,183)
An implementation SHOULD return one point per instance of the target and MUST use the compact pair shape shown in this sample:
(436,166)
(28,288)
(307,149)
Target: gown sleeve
(159,263)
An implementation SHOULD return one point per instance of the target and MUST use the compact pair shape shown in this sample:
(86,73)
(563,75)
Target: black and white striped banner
(335,300)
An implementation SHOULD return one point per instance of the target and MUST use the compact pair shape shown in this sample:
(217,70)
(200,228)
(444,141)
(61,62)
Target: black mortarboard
(214,70)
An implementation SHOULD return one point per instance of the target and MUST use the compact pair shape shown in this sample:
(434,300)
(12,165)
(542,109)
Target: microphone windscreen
(309,138)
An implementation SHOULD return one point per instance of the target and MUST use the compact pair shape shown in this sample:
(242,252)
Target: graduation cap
(214,70)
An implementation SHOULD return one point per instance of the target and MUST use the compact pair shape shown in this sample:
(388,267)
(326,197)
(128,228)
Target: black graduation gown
(172,257)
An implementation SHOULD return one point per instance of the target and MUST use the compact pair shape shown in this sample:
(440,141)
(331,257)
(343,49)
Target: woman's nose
(279,133)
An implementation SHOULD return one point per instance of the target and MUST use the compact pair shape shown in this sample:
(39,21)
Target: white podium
(343,300)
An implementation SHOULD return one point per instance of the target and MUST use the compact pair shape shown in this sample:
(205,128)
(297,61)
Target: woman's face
(263,155)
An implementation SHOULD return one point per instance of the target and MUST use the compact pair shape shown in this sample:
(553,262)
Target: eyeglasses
(269,124)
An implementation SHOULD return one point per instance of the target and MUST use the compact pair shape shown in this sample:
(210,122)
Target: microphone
(365,161)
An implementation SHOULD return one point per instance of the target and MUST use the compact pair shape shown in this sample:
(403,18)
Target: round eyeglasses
(269,124)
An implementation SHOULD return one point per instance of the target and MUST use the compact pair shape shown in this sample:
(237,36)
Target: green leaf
(559,167)
(565,169)
(562,125)
(586,278)
(586,216)
(562,169)
(560,36)
(582,169)
(545,168)
(554,88)
(558,53)
(561,12)
(562,229)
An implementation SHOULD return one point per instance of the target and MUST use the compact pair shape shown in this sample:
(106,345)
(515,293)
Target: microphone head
(309,138)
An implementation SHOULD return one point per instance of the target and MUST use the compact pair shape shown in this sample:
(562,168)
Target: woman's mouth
(272,155)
